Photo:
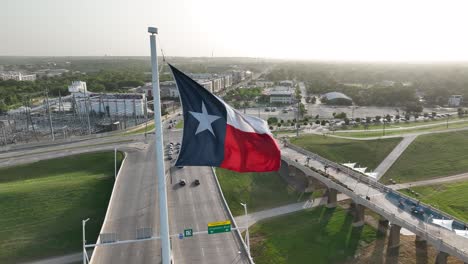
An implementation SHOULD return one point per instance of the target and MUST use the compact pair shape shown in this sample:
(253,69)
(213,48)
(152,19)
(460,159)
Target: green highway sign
(219,227)
(188,232)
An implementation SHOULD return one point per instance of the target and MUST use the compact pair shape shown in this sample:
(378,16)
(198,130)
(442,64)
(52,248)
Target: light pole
(83,223)
(247,238)
(115,163)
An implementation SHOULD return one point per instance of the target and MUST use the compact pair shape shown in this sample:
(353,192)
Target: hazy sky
(299,29)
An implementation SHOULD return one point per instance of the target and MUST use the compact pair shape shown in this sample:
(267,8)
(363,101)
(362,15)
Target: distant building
(281,94)
(227,81)
(264,84)
(455,100)
(217,85)
(108,104)
(336,98)
(17,76)
(287,83)
(207,84)
(78,88)
(166,88)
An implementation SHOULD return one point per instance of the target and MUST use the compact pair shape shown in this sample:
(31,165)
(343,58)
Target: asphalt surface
(385,165)
(193,207)
(133,205)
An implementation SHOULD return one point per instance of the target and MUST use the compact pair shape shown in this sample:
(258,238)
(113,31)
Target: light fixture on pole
(160,166)
(83,223)
(247,236)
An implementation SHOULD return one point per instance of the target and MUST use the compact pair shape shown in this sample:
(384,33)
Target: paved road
(133,205)
(444,180)
(441,238)
(194,207)
(253,218)
(385,165)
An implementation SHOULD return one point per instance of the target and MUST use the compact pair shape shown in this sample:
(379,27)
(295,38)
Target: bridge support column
(394,237)
(331,198)
(441,258)
(382,227)
(420,238)
(358,215)
(292,171)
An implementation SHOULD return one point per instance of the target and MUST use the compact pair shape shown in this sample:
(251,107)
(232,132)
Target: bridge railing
(391,216)
(369,181)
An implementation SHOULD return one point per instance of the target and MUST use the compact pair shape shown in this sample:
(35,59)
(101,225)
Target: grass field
(319,235)
(413,123)
(142,130)
(451,198)
(368,153)
(431,156)
(43,203)
(366,134)
(259,190)
(180,124)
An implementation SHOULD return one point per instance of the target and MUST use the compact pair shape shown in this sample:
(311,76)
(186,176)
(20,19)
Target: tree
(272,120)
(341,115)
(346,120)
(317,122)
(3,107)
(323,123)
(388,118)
(377,118)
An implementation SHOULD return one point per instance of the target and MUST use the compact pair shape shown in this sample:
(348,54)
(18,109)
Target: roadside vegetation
(318,235)
(431,156)
(416,129)
(451,198)
(367,153)
(43,203)
(142,130)
(259,190)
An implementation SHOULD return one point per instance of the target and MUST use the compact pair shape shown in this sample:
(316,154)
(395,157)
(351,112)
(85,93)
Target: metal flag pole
(160,170)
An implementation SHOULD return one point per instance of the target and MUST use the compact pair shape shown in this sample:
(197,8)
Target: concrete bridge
(317,172)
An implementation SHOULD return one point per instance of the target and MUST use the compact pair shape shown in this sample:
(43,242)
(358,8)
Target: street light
(115,163)
(247,230)
(83,223)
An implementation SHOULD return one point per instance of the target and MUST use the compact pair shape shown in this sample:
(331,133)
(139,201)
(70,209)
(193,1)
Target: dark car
(196,182)
(182,182)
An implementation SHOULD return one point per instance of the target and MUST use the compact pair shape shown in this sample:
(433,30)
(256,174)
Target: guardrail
(110,202)
(233,220)
(434,240)
(369,181)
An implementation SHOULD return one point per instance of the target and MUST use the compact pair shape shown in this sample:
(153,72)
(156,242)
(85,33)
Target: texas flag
(215,134)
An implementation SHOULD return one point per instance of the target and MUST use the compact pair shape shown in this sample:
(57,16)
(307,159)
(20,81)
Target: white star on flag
(204,120)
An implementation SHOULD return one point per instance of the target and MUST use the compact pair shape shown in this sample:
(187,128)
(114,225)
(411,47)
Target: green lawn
(180,124)
(367,153)
(319,235)
(259,190)
(431,156)
(451,198)
(366,134)
(43,203)
(141,130)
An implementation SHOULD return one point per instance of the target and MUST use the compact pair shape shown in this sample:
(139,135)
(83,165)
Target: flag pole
(160,170)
